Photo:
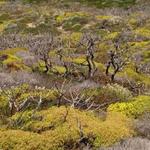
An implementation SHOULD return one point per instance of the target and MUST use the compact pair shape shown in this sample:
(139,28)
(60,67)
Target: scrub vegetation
(74,75)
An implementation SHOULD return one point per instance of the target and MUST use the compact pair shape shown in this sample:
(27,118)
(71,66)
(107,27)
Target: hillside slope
(74,75)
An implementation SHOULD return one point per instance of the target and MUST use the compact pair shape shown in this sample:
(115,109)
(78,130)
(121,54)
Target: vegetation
(74,74)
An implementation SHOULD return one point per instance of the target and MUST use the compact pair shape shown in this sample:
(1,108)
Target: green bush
(74,23)
(3,104)
(65,126)
(24,92)
(134,108)
(114,92)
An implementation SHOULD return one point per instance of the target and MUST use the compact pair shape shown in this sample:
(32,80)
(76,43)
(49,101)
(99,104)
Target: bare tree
(118,58)
(89,43)
(60,53)
(16,105)
(75,98)
(41,45)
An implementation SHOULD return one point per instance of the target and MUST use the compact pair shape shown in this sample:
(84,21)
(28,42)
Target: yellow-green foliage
(103,17)
(132,74)
(61,125)
(103,46)
(4,20)
(75,38)
(111,20)
(139,45)
(3,103)
(146,55)
(2,2)
(12,51)
(133,108)
(67,15)
(10,93)
(72,21)
(100,66)
(79,61)
(20,140)
(143,32)
(132,22)
(40,66)
(4,17)
(55,69)
(82,61)
(25,92)
(15,63)
(45,94)
(111,36)
(3,26)
(12,61)
(72,38)
(59,69)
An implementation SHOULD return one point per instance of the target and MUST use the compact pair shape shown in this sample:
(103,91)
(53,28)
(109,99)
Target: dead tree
(14,105)
(89,43)
(41,45)
(75,98)
(60,92)
(12,96)
(61,59)
(118,58)
(71,69)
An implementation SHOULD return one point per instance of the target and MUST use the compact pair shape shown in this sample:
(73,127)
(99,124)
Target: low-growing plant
(134,108)
(112,93)
(72,124)
(24,97)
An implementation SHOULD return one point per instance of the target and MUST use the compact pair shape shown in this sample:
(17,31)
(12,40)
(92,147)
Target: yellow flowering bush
(133,108)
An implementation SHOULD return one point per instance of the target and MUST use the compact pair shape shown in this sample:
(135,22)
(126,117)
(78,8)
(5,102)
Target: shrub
(74,16)
(13,62)
(143,32)
(133,108)
(16,140)
(114,92)
(3,104)
(24,92)
(138,78)
(69,123)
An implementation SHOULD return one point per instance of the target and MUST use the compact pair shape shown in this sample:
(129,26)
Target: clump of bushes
(113,93)
(72,21)
(70,124)
(117,91)
(25,97)
(134,108)
(17,139)
(10,61)
(3,103)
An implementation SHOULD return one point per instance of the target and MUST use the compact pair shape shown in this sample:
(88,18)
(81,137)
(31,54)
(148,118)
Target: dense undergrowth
(74,75)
